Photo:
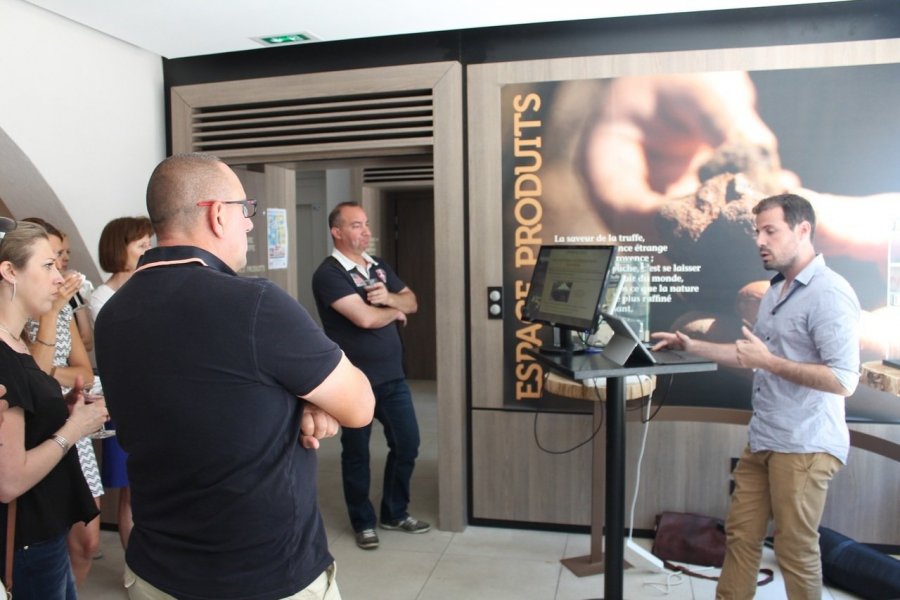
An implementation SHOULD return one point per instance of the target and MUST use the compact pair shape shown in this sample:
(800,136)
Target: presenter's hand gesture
(752,353)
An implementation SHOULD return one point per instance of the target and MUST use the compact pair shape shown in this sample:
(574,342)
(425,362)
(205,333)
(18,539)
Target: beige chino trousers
(790,489)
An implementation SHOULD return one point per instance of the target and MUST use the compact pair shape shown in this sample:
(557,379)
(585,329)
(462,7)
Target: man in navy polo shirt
(204,370)
(361,301)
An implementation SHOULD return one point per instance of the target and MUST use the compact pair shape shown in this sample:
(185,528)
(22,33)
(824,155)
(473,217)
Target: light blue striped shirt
(816,321)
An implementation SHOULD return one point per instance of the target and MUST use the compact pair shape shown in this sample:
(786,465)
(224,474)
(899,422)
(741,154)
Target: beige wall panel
(486,236)
(450,294)
(862,498)
(686,468)
(513,480)
(180,122)
(355,81)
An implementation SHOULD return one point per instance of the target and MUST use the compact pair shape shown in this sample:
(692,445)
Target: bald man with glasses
(221,387)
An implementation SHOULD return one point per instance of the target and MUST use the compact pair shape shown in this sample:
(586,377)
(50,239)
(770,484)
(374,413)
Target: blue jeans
(42,571)
(394,409)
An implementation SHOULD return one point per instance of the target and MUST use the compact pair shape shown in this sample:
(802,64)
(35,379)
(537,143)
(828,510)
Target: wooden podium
(579,367)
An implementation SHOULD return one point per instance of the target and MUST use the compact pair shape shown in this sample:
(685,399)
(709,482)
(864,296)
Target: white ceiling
(178,28)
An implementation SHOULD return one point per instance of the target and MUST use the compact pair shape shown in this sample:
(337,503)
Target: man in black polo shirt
(360,301)
(202,370)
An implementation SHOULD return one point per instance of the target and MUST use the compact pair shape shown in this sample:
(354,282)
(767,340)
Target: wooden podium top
(881,377)
(570,388)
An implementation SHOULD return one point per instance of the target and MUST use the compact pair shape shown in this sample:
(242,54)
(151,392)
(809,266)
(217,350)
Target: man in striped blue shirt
(804,351)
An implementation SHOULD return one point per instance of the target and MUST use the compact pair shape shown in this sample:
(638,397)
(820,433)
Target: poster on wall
(668,167)
(277,237)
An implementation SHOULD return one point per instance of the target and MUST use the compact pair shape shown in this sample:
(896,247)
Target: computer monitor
(567,290)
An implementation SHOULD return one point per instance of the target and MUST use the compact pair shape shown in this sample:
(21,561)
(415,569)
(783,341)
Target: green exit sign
(285,38)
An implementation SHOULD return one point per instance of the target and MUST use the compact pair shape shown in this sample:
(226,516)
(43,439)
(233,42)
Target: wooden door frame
(444,79)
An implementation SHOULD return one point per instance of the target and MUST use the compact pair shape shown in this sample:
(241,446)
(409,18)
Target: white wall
(87,110)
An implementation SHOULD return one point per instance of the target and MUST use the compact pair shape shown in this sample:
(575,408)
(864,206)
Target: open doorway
(401,216)
(411,252)
(403,233)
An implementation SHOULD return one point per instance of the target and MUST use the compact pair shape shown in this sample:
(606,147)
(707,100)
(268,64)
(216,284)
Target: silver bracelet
(63,442)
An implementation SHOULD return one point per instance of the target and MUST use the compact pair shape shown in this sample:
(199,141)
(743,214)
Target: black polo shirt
(201,370)
(376,352)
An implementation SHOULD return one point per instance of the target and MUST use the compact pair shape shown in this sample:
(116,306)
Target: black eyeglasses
(6,225)
(248,205)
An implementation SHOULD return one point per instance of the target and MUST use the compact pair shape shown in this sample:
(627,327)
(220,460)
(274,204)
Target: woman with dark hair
(81,297)
(37,468)
(122,242)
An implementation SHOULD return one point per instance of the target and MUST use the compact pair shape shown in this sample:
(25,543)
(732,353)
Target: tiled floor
(479,564)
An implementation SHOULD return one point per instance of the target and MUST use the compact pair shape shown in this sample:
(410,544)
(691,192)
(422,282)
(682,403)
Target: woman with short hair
(122,242)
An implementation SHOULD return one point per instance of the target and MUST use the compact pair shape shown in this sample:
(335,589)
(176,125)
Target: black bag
(695,539)
(857,568)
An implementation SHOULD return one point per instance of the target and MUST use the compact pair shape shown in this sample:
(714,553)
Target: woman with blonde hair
(57,347)
(37,468)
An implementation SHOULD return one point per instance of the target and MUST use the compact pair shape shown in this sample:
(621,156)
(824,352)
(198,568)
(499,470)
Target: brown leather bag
(694,539)
(690,538)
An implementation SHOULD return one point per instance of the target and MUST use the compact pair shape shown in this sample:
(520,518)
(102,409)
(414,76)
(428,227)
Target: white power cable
(637,475)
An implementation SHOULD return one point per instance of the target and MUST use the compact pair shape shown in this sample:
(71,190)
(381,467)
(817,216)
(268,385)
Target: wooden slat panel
(267,122)
(399,169)
(333,137)
(385,125)
(401,185)
(204,123)
(392,178)
(325,152)
(399,174)
(407,101)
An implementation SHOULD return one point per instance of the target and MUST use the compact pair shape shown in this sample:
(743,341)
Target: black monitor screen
(567,285)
